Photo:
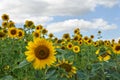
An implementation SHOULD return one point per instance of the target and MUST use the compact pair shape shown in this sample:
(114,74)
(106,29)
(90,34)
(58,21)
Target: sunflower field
(31,53)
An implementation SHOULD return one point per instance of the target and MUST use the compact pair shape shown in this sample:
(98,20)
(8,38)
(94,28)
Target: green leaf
(22,64)
(9,77)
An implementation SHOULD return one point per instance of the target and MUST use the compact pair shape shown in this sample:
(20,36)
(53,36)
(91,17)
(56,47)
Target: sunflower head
(2,35)
(76,49)
(41,53)
(5,17)
(4,24)
(12,32)
(105,56)
(39,27)
(68,67)
(92,36)
(44,31)
(69,45)
(116,48)
(29,24)
(77,31)
(11,24)
(50,35)
(20,34)
(66,36)
(36,34)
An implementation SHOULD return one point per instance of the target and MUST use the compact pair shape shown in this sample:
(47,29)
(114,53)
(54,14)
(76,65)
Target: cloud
(85,25)
(19,10)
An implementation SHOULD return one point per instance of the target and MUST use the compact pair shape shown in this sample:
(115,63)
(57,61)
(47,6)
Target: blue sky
(65,15)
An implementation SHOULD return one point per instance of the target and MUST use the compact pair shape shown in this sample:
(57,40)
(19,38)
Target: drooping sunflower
(12,32)
(76,49)
(5,17)
(41,53)
(68,67)
(116,48)
(20,34)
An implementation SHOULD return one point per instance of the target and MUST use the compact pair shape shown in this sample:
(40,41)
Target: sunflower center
(42,52)
(67,67)
(13,32)
(117,48)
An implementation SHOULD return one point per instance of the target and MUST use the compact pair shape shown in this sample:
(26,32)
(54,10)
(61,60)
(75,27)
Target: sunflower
(39,27)
(92,36)
(76,49)
(41,53)
(2,35)
(44,31)
(11,24)
(68,67)
(36,34)
(12,32)
(116,48)
(69,45)
(66,36)
(77,31)
(105,56)
(5,17)
(76,37)
(4,24)
(89,41)
(85,38)
(20,34)
(29,24)
(50,35)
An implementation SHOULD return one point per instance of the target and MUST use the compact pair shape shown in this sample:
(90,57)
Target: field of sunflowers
(30,53)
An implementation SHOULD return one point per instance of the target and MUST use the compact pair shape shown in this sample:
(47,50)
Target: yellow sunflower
(76,49)
(77,31)
(11,24)
(12,32)
(2,35)
(20,34)
(4,24)
(70,70)
(69,45)
(92,36)
(66,36)
(39,27)
(50,35)
(29,24)
(36,34)
(41,53)
(104,56)
(44,31)
(116,48)
(5,17)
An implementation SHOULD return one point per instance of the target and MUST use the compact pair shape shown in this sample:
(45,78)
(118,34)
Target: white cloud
(19,10)
(69,25)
